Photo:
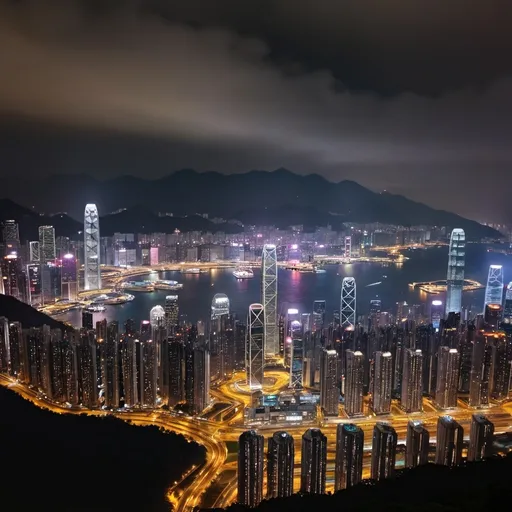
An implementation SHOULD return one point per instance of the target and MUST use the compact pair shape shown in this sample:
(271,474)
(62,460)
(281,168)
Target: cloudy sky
(406,95)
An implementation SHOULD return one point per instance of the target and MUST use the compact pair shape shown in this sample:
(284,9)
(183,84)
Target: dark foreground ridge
(479,486)
(17,311)
(78,463)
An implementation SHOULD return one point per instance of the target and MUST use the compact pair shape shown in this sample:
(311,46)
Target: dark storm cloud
(292,83)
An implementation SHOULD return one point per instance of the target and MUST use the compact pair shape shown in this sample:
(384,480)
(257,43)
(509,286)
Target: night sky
(411,96)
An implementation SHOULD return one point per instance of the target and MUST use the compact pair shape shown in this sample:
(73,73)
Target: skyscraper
(349,456)
(436,313)
(280,465)
(417,444)
(481,437)
(148,367)
(318,315)
(507,308)
(450,436)
(110,366)
(329,389)
(171,313)
(482,369)
(221,364)
(502,365)
(250,468)
(157,317)
(13,277)
(297,354)
(92,275)
(47,250)
(269,272)
(412,383)
(382,383)
(494,287)
(33,252)
(255,355)
(68,277)
(447,377)
(11,236)
(354,383)
(348,304)
(383,451)
(455,276)
(313,462)
(201,379)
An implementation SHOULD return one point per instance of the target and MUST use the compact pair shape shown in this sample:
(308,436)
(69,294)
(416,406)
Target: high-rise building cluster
(349,460)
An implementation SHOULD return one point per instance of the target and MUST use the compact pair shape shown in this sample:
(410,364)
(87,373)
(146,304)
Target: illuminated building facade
(92,275)
(481,436)
(47,249)
(171,314)
(417,444)
(221,364)
(482,369)
(449,440)
(436,313)
(447,378)
(255,356)
(348,304)
(13,277)
(33,251)
(411,396)
(313,462)
(318,315)
(329,390)
(110,366)
(269,273)
(349,456)
(494,287)
(507,307)
(201,386)
(280,465)
(455,276)
(354,383)
(10,236)
(297,354)
(250,468)
(69,281)
(382,383)
(383,451)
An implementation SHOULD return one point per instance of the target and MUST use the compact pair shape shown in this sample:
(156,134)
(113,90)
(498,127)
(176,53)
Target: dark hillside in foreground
(17,311)
(477,487)
(75,463)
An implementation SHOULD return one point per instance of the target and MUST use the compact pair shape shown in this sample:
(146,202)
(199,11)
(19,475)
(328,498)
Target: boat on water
(95,308)
(138,286)
(346,261)
(243,273)
(191,271)
(320,271)
(168,285)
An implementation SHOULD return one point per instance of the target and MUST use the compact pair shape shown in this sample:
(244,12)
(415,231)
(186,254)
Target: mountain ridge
(250,197)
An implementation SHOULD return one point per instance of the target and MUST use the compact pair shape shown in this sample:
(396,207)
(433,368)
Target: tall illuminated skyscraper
(354,383)
(280,465)
(219,350)
(417,444)
(329,390)
(171,314)
(110,365)
(33,252)
(507,307)
(269,273)
(349,456)
(502,365)
(92,275)
(450,436)
(68,278)
(250,468)
(157,316)
(13,277)
(455,276)
(297,354)
(412,383)
(447,377)
(255,356)
(480,438)
(436,313)
(494,287)
(11,236)
(47,249)
(313,462)
(482,368)
(318,315)
(383,451)
(201,378)
(348,304)
(382,383)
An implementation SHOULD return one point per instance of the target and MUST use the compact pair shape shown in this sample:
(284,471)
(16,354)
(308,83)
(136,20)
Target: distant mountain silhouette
(258,197)
(17,311)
